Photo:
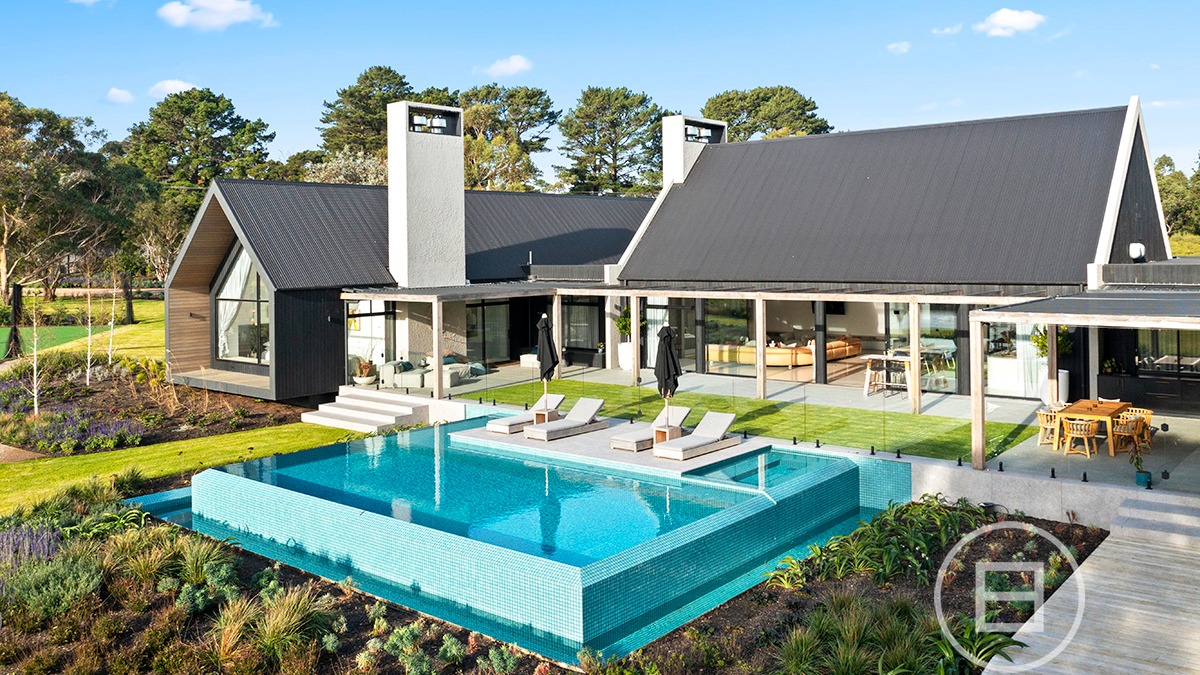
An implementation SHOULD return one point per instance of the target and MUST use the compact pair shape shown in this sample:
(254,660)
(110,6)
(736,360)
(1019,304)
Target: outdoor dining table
(1087,409)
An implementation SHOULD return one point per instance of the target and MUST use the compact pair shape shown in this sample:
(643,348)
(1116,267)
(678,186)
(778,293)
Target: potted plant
(1135,458)
(364,374)
(1065,346)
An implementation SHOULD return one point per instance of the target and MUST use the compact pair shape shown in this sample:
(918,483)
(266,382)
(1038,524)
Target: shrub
(297,615)
(330,643)
(300,659)
(267,583)
(106,627)
(232,628)
(452,651)
(198,556)
(404,639)
(376,611)
(374,645)
(10,653)
(149,565)
(417,663)
(798,653)
(42,663)
(89,660)
(503,660)
(49,588)
(365,662)
(65,630)
(129,481)
(380,627)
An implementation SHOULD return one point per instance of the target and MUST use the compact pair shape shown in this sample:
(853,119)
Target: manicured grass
(922,435)
(53,336)
(144,339)
(24,482)
(1185,243)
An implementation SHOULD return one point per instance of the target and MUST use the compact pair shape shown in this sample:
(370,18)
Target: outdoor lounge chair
(515,423)
(709,436)
(580,420)
(642,438)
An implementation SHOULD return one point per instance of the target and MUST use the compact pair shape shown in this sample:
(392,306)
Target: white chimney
(682,140)
(426,220)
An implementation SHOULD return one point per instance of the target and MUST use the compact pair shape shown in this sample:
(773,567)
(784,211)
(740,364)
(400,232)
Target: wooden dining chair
(1047,427)
(1128,430)
(876,376)
(1147,416)
(1083,430)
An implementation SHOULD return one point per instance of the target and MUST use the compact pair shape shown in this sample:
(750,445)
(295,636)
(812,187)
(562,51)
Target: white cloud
(1079,73)
(899,47)
(1153,66)
(948,30)
(510,66)
(1008,22)
(84,2)
(168,87)
(1062,33)
(115,95)
(214,14)
(1166,104)
(932,105)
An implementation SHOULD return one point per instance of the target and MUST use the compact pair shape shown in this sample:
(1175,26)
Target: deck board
(1140,601)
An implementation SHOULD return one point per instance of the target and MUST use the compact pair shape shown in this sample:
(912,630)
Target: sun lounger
(642,438)
(580,420)
(709,436)
(515,423)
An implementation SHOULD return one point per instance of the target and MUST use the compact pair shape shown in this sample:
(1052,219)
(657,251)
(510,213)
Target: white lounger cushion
(708,437)
(515,423)
(642,437)
(581,419)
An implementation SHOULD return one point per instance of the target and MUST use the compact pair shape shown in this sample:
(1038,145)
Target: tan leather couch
(787,357)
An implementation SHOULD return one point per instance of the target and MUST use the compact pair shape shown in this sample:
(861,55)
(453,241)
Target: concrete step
(1174,534)
(1161,511)
(340,421)
(394,407)
(382,395)
(365,412)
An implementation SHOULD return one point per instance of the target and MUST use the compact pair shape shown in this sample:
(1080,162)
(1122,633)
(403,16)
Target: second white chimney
(683,138)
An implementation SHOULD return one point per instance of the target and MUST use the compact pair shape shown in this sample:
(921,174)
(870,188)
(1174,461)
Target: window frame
(262,296)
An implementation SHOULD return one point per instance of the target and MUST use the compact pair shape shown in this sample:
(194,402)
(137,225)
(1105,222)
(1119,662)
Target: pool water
(528,547)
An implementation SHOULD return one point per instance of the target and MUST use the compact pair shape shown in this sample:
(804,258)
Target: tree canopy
(612,139)
(358,116)
(1180,196)
(770,111)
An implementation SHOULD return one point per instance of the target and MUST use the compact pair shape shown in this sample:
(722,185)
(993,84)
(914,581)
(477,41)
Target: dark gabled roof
(503,228)
(318,235)
(313,235)
(1017,200)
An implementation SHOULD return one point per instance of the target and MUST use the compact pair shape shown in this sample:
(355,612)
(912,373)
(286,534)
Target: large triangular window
(243,311)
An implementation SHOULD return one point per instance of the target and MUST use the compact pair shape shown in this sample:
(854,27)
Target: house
(781,260)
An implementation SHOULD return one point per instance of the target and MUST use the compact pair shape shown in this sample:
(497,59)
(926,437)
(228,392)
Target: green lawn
(24,482)
(923,435)
(146,338)
(1185,243)
(53,336)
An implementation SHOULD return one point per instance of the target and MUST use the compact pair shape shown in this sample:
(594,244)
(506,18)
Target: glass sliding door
(729,337)
(370,334)
(487,332)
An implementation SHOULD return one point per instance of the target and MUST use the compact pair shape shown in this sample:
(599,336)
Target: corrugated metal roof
(1016,200)
(318,235)
(504,227)
(313,235)
(1166,304)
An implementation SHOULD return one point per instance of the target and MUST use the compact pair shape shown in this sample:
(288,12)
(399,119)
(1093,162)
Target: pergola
(1138,307)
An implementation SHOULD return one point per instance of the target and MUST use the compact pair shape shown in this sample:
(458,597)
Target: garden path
(9,454)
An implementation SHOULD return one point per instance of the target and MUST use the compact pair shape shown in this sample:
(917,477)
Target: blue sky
(867,65)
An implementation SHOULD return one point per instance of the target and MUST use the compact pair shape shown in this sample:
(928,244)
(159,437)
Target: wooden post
(914,357)
(611,337)
(557,333)
(436,324)
(978,428)
(635,334)
(1052,362)
(760,346)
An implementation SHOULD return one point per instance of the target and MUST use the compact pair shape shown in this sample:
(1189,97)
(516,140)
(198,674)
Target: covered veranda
(1172,458)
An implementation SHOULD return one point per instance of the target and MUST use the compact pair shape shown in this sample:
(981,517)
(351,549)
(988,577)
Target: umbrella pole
(545,393)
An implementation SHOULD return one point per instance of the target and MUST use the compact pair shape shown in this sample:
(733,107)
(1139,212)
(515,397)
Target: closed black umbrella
(666,366)
(547,353)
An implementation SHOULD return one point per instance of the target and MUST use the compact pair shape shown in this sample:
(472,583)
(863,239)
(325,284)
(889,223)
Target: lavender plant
(24,544)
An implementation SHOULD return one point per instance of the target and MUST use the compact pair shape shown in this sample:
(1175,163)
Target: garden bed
(129,403)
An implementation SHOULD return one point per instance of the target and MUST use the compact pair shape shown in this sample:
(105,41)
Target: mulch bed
(170,414)
(747,623)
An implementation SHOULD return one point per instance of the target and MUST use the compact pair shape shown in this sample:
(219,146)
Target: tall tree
(770,111)
(195,136)
(526,112)
(358,117)
(610,138)
(349,166)
(498,164)
(1173,189)
(42,159)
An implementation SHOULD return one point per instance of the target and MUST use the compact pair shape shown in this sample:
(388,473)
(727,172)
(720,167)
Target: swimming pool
(546,553)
